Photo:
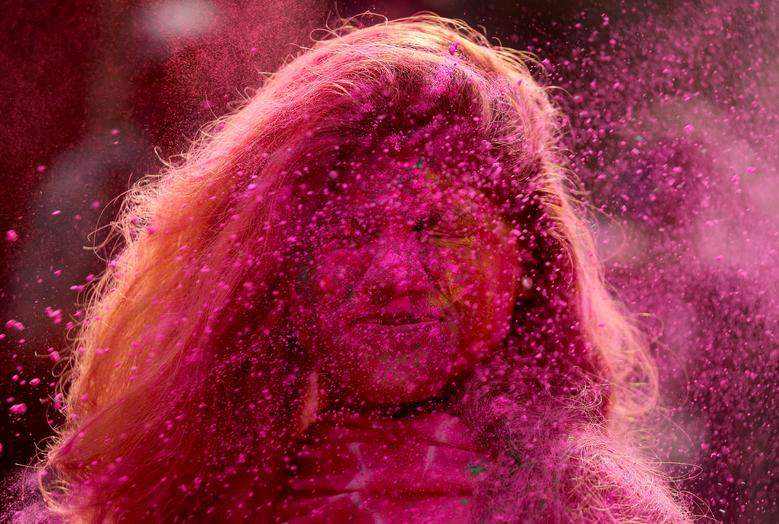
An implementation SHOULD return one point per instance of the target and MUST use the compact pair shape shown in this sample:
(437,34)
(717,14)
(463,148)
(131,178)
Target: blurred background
(673,108)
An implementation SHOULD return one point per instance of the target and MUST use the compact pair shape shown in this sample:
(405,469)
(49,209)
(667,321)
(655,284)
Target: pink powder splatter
(14,324)
(18,409)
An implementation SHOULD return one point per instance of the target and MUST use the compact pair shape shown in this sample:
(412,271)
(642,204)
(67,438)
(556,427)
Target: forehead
(403,184)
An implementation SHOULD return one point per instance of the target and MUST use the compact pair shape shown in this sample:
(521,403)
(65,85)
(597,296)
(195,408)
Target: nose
(396,272)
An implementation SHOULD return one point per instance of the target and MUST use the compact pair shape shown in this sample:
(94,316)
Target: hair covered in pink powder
(244,345)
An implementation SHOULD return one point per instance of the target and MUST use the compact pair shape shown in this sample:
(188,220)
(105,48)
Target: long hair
(185,389)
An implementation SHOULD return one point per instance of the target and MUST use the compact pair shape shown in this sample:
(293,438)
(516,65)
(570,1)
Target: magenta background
(674,113)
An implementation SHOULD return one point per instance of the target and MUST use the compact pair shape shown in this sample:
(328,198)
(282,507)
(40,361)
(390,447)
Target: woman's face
(409,279)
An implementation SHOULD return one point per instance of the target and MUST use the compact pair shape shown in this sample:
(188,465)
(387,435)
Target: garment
(420,469)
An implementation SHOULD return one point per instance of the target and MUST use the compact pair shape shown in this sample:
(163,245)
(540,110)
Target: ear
(313,402)
(296,291)
(313,394)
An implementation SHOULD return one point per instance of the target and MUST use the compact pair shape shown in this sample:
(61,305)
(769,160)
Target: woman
(368,294)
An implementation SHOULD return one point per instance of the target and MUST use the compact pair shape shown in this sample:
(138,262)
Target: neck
(422,466)
(334,399)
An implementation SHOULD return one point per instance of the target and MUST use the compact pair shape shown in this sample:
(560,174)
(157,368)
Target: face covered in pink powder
(411,277)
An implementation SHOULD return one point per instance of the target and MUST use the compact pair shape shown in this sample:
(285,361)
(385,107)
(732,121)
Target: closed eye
(427,222)
(363,227)
(454,230)
(450,231)
(351,233)
(460,225)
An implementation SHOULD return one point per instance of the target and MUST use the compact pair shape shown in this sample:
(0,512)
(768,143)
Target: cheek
(478,281)
(333,279)
(456,274)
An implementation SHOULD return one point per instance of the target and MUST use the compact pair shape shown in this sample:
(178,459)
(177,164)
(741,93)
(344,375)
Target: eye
(449,231)
(457,226)
(427,222)
(452,231)
(361,227)
(350,232)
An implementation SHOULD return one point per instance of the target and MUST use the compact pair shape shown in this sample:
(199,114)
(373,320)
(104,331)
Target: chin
(382,392)
(404,377)
(384,365)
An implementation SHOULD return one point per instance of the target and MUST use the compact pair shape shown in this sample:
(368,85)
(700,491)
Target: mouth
(395,319)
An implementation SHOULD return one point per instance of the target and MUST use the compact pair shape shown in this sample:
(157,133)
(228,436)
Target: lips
(400,311)
(395,319)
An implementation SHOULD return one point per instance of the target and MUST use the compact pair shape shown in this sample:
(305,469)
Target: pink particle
(54,314)
(35,381)
(18,409)
(41,168)
(114,132)
(95,204)
(55,212)
(453,47)
(54,356)
(14,324)
(11,235)
(689,129)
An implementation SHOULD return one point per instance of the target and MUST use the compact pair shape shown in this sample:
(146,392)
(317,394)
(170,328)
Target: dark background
(673,110)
